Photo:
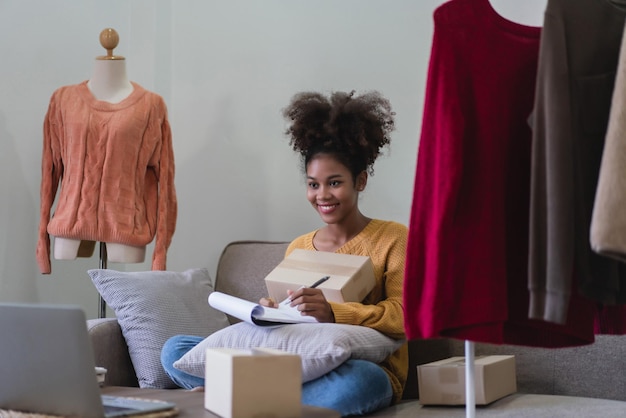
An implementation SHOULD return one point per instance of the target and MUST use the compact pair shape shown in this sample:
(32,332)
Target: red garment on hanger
(467,258)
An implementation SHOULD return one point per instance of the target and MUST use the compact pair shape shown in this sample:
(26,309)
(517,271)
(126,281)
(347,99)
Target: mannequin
(108,83)
(530,14)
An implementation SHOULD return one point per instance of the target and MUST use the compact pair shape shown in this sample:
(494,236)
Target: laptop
(47,365)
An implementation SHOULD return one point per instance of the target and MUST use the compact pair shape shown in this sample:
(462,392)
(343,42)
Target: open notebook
(256,314)
(47,365)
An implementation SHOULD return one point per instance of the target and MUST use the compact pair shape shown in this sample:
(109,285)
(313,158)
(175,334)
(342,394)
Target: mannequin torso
(69,249)
(108,83)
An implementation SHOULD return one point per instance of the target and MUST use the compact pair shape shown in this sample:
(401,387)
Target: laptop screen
(47,364)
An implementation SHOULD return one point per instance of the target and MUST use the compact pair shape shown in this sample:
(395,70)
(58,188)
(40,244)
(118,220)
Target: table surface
(517,405)
(191,404)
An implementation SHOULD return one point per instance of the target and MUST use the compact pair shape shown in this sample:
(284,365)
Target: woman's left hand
(311,302)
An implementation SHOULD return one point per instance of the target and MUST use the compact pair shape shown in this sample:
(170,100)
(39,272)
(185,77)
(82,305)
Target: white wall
(225,69)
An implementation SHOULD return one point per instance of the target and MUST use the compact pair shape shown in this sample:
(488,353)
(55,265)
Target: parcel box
(351,277)
(443,382)
(260,382)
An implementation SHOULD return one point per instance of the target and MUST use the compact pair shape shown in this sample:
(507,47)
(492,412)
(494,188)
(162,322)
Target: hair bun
(355,126)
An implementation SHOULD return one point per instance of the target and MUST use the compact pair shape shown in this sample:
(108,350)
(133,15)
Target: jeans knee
(170,352)
(357,387)
(173,349)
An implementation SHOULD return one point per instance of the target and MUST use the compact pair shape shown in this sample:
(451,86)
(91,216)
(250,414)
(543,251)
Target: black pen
(314,285)
(319,282)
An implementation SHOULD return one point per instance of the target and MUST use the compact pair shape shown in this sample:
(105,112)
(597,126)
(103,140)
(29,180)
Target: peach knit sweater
(115,164)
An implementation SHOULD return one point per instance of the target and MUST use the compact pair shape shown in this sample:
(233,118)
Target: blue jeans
(356,387)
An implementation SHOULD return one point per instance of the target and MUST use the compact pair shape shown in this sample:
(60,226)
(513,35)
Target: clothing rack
(102,307)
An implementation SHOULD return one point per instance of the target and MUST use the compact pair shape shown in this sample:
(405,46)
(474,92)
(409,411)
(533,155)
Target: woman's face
(331,189)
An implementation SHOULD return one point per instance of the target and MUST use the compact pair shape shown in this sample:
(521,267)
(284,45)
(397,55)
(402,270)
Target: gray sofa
(584,381)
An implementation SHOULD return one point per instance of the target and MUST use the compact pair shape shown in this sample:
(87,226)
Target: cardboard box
(351,276)
(260,382)
(443,382)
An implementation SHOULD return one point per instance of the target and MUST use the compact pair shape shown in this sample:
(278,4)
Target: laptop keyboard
(112,408)
(120,404)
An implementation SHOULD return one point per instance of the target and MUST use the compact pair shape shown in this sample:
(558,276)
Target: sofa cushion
(152,306)
(322,347)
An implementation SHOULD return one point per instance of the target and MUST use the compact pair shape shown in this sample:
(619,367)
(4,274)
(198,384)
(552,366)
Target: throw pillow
(152,306)
(322,347)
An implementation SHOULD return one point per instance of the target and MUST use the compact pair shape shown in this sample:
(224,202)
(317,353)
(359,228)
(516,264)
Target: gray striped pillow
(152,306)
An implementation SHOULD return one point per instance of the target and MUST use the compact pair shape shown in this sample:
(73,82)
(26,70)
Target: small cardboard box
(443,382)
(351,276)
(260,382)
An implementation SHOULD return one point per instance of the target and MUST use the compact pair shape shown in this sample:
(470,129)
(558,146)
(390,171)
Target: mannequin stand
(102,307)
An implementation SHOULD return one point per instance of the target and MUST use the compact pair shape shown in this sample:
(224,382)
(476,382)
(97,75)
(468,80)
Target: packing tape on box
(316,267)
(449,375)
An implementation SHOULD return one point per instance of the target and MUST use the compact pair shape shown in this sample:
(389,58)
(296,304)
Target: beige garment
(608,222)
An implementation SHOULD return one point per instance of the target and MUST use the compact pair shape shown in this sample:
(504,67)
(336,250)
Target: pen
(314,285)
(320,281)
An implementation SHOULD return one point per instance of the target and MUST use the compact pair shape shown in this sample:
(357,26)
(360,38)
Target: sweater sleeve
(51,173)
(437,191)
(167,204)
(382,310)
(551,248)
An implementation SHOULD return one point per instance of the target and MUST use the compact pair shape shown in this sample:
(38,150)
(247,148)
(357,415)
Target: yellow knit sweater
(385,243)
(115,164)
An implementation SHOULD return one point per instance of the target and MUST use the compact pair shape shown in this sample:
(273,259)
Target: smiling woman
(339,138)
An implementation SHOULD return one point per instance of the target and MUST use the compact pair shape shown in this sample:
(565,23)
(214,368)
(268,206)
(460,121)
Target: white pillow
(152,306)
(322,347)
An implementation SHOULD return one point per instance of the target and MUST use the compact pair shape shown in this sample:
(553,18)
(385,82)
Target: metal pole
(102,307)
(470,389)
